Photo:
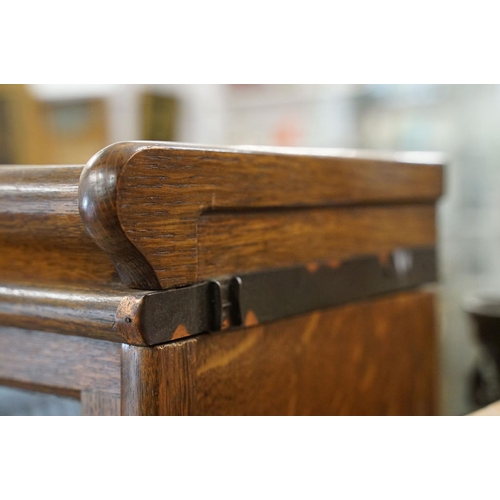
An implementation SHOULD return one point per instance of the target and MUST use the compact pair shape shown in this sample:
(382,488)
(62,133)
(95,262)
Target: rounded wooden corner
(97,206)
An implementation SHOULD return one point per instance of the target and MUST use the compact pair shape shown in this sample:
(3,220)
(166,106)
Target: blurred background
(67,124)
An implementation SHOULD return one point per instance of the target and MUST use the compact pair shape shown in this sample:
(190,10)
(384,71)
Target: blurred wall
(462,121)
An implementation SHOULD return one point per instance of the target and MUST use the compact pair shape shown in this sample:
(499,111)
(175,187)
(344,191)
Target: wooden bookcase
(167,279)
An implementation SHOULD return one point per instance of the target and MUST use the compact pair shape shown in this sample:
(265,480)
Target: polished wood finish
(184,236)
(47,264)
(41,233)
(112,314)
(81,248)
(370,358)
(171,186)
(87,369)
(374,357)
(231,243)
(159,381)
(62,364)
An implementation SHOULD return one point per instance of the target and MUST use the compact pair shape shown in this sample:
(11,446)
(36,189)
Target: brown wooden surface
(373,357)
(167,215)
(116,313)
(190,199)
(42,236)
(170,186)
(159,380)
(110,314)
(369,358)
(232,243)
(58,363)
(100,404)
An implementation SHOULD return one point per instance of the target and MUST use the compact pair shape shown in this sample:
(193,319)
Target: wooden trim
(156,210)
(235,243)
(159,380)
(172,185)
(41,232)
(100,404)
(145,317)
(112,314)
(45,198)
(61,364)
(98,210)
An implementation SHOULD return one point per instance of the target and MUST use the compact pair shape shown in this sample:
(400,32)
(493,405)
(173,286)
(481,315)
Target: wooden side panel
(374,357)
(370,358)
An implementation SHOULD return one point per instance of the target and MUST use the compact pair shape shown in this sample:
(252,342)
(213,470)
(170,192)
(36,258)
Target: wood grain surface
(374,357)
(48,195)
(88,312)
(170,214)
(42,236)
(370,358)
(154,209)
(116,313)
(159,215)
(100,404)
(231,243)
(159,380)
(58,363)
(45,263)
(170,186)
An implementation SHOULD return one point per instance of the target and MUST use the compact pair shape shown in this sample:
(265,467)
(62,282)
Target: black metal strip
(191,309)
(276,294)
(286,292)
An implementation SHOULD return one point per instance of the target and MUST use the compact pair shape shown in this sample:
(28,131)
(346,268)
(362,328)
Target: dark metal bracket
(266,296)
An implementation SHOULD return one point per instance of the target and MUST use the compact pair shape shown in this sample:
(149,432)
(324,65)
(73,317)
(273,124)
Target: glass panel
(17,402)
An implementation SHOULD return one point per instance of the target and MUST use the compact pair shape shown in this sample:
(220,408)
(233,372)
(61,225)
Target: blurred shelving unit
(45,128)
(276,115)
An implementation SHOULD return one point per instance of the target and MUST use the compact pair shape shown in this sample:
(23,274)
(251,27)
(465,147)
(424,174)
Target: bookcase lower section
(372,357)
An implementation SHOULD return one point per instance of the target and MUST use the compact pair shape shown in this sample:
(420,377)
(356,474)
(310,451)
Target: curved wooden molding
(142,202)
(97,195)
